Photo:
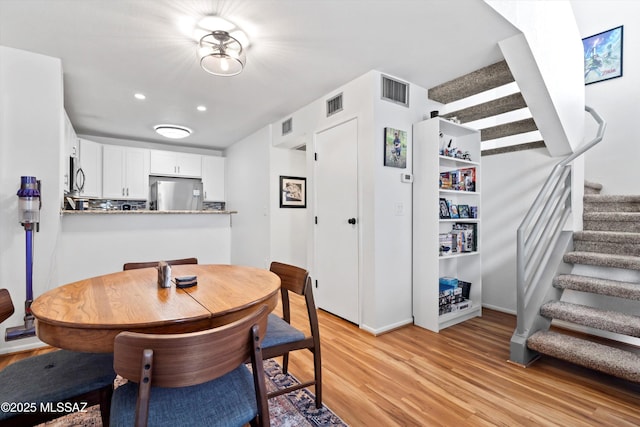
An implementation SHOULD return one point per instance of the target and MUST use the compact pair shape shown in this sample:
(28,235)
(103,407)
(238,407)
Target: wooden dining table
(88,314)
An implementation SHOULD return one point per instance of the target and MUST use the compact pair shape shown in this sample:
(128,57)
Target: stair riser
(606,248)
(611,207)
(628,226)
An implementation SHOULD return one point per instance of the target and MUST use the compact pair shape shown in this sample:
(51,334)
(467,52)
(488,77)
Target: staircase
(609,246)
(489,94)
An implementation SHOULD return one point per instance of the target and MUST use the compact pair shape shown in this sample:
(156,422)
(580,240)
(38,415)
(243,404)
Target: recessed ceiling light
(173,131)
(201,108)
(140,96)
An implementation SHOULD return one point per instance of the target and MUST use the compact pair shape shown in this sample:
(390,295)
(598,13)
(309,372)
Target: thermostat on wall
(406,177)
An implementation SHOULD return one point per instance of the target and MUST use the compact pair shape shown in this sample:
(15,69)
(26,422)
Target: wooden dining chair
(82,379)
(196,378)
(282,338)
(135,265)
(6,305)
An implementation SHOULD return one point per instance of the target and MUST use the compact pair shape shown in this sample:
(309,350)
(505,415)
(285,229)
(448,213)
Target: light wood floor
(459,377)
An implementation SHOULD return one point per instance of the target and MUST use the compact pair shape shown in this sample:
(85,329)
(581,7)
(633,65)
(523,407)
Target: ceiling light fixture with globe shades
(222,51)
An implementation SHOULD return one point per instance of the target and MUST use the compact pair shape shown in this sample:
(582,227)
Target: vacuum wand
(29,205)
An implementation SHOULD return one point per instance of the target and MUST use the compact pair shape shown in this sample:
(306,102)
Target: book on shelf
(466,237)
(458,179)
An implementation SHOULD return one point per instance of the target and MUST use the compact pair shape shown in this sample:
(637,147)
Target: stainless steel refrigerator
(171,194)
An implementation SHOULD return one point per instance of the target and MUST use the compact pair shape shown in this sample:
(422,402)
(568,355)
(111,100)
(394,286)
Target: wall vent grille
(334,105)
(395,91)
(287,126)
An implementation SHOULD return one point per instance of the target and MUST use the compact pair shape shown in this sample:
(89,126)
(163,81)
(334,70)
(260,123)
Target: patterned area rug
(295,409)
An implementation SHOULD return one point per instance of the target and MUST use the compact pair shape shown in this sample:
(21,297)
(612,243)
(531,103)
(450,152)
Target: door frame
(314,211)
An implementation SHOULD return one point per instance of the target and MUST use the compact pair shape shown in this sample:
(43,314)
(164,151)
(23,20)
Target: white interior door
(336,231)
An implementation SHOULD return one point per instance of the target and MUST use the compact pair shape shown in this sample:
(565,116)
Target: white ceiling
(300,50)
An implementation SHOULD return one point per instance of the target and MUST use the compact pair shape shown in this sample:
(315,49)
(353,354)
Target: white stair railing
(537,238)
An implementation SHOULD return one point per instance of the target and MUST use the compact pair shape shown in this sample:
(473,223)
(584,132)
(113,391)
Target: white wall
(31,129)
(289,226)
(392,212)
(248,192)
(96,244)
(614,162)
(547,63)
(384,202)
(510,183)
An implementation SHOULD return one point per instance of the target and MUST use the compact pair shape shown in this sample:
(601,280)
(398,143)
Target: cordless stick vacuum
(29,204)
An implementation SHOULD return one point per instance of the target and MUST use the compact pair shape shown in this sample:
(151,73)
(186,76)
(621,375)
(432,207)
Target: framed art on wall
(293,192)
(603,56)
(395,148)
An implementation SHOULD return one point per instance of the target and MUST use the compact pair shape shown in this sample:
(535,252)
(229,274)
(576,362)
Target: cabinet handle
(123,191)
(127,191)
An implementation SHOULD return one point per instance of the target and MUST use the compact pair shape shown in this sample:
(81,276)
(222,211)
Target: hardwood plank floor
(459,377)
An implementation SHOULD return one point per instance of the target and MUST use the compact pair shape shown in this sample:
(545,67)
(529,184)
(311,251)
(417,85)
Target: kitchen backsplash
(110,204)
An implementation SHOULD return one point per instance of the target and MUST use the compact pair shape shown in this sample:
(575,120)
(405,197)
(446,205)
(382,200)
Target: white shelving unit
(428,263)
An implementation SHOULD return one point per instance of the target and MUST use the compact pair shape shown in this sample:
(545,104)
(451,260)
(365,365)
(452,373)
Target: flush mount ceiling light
(222,50)
(173,131)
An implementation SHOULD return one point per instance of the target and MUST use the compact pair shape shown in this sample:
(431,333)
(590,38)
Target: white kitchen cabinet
(70,138)
(213,178)
(70,150)
(88,178)
(125,173)
(437,236)
(169,163)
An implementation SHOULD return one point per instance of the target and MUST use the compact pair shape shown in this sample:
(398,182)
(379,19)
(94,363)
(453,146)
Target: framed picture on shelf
(395,148)
(603,56)
(463,211)
(473,212)
(453,210)
(293,192)
(444,209)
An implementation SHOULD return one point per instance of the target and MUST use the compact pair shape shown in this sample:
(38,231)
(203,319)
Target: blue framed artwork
(603,56)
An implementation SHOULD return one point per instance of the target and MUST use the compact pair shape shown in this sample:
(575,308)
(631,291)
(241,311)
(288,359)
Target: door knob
(351,220)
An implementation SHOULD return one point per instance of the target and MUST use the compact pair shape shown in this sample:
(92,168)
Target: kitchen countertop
(141,212)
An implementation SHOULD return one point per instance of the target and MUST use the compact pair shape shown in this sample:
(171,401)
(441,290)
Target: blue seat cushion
(54,377)
(280,332)
(225,402)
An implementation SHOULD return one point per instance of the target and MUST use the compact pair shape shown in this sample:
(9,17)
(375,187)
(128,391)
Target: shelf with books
(453,317)
(447,171)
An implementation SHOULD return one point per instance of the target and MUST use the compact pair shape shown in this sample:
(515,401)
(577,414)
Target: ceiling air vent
(395,91)
(334,105)
(287,126)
